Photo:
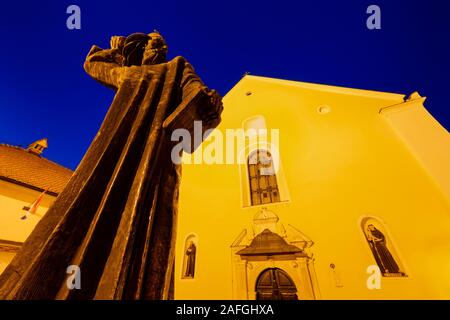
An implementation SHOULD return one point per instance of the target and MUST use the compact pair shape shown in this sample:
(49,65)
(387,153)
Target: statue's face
(371,227)
(155,50)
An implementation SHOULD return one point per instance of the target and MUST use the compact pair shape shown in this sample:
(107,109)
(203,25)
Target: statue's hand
(215,99)
(117,42)
(215,108)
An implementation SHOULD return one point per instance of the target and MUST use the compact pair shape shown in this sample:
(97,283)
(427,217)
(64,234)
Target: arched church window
(382,249)
(262,178)
(190,255)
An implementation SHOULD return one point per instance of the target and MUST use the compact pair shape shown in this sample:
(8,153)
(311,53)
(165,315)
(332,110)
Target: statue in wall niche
(383,256)
(116,218)
(190,260)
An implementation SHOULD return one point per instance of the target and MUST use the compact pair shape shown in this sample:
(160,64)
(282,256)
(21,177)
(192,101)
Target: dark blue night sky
(44,91)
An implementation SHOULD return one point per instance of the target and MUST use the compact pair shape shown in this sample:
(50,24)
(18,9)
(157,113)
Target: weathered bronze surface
(116,218)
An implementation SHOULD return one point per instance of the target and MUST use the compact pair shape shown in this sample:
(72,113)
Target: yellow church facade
(344,195)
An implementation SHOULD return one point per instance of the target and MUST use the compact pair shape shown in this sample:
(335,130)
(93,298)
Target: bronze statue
(116,218)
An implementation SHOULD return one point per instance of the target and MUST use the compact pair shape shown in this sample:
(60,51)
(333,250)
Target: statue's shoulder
(180,61)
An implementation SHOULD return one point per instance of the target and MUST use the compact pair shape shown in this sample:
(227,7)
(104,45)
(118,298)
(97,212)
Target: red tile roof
(17,165)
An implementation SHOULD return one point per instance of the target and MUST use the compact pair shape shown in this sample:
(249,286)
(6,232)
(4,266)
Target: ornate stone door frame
(265,244)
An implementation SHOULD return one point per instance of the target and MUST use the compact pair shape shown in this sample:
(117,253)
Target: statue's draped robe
(383,256)
(190,263)
(116,217)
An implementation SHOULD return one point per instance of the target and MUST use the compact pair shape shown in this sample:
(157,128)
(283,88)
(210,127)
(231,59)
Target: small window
(262,178)
(382,249)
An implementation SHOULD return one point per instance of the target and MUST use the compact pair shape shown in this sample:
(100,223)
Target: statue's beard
(153,56)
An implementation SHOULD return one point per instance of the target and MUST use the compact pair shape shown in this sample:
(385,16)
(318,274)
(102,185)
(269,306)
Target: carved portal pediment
(267,230)
(268,243)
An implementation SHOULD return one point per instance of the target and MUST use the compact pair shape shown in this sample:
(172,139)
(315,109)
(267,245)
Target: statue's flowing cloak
(116,218)
(382,254)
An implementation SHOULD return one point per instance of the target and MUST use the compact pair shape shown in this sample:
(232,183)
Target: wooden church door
(275,284)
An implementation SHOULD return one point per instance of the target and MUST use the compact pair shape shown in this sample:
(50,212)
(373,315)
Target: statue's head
(155,50)
(140,49)
(371,227)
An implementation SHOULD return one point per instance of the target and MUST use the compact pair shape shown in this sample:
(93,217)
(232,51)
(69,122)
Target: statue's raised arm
(104,65)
